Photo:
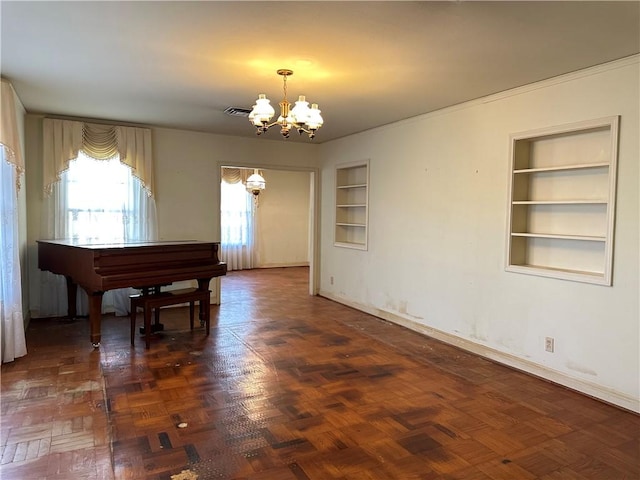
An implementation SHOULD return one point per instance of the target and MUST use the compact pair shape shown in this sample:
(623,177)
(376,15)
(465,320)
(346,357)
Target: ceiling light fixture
(300,117)
(255,183)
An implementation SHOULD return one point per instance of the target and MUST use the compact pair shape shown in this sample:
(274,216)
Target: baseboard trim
(283,265)
(599,392)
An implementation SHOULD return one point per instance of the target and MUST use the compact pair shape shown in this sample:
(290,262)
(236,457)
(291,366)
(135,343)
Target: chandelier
(255,183)
(300,117)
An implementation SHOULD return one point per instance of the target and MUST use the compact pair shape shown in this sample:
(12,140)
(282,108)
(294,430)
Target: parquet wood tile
(292,387)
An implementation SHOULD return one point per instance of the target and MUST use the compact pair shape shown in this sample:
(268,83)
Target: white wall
(283,219)
(437,220)
(188,175)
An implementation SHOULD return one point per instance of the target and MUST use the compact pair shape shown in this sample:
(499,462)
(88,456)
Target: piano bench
(157,326)
(153,301)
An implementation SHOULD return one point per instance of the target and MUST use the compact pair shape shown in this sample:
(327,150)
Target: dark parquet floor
(292,387)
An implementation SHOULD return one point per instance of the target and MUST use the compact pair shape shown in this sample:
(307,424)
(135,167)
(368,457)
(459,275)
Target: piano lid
(99,245)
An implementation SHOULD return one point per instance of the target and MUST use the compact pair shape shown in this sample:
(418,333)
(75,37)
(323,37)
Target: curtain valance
(63,139)
(99,141)
(236,174)
(9,136)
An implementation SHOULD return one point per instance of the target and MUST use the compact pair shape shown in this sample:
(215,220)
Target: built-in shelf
(563,167)
(352,205)
(562,201)
(586,238)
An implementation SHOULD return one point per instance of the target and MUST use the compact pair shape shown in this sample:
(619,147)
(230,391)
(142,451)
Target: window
(89,196)
(99,196)
(237,222)
(95,201)
(236,212)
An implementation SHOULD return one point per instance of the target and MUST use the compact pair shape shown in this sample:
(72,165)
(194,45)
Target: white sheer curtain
(12,323)
(105,200)
(238,243)
(12,339)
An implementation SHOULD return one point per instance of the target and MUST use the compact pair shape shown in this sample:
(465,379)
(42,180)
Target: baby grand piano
(101,267)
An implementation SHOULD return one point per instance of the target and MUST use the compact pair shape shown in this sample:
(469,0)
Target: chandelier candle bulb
(262,111)
(314,120)
(300,111)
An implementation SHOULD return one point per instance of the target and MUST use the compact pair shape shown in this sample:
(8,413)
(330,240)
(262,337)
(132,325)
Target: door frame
(314,216)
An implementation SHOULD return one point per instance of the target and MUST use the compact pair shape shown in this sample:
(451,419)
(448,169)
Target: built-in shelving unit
(562,201)
(352,205)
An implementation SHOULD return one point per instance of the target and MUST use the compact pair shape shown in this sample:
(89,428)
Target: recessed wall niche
(352,205)
(562,194)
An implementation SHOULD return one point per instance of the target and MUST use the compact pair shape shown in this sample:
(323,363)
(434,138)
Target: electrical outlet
(548,344)
(331,280)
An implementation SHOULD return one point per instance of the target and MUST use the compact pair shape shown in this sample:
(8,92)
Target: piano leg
(72,295)
(203,284)
(95,316)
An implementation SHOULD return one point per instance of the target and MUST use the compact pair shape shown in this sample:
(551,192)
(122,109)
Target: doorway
(286,219)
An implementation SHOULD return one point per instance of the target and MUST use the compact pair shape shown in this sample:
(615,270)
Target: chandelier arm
(268,125)
(300,127)
(297,126)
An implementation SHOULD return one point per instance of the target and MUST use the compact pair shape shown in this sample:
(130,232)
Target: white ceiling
(180,64)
